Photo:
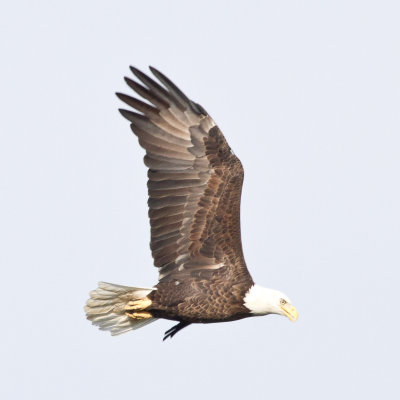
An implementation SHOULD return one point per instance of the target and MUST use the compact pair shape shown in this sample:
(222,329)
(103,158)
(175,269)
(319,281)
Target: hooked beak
(290,311)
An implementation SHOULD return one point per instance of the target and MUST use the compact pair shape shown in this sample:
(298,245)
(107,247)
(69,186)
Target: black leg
(175,329)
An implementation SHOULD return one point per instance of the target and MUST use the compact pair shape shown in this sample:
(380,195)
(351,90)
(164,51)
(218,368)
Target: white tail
(106,307)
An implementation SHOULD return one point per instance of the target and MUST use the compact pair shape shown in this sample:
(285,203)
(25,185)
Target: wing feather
(194,183)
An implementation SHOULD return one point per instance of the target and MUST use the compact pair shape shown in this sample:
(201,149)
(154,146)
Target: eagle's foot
(139,315)
(140,304)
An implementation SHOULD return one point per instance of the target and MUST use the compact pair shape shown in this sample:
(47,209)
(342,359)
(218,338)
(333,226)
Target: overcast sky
(308,96)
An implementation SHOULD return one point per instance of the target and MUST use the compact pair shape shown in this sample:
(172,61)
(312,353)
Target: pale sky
(308,96)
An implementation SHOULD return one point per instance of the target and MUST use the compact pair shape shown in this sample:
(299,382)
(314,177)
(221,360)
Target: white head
(263,301)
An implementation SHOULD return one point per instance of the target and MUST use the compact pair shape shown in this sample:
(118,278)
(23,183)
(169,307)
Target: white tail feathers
(106,307)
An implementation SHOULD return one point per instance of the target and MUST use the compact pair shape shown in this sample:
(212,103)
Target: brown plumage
(194,188)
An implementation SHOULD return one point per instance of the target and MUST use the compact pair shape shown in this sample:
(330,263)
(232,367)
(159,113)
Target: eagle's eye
(283,302)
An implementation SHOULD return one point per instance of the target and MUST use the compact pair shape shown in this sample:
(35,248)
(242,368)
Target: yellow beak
(290,311)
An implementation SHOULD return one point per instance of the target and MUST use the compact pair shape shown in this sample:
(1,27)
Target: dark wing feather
(194,185)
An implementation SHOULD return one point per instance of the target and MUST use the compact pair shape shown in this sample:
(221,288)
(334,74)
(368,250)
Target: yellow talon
(140,304)
(139,315)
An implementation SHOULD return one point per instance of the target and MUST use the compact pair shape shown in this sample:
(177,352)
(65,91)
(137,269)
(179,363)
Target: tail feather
(106,307)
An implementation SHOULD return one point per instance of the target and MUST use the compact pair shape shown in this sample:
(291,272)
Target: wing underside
(194,181)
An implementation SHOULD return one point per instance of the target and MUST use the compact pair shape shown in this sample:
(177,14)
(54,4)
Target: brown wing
(194,185)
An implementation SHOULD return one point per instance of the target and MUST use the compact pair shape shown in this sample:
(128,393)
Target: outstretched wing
(194,185)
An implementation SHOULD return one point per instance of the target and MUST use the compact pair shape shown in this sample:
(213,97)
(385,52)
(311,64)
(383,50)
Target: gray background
(307,93)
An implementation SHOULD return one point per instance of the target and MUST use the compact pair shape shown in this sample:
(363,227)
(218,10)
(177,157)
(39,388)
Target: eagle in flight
(195,183)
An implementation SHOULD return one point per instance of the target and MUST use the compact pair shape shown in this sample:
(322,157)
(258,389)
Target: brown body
(200,301)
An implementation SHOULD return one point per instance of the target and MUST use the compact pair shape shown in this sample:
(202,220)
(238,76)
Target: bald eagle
(194,186)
